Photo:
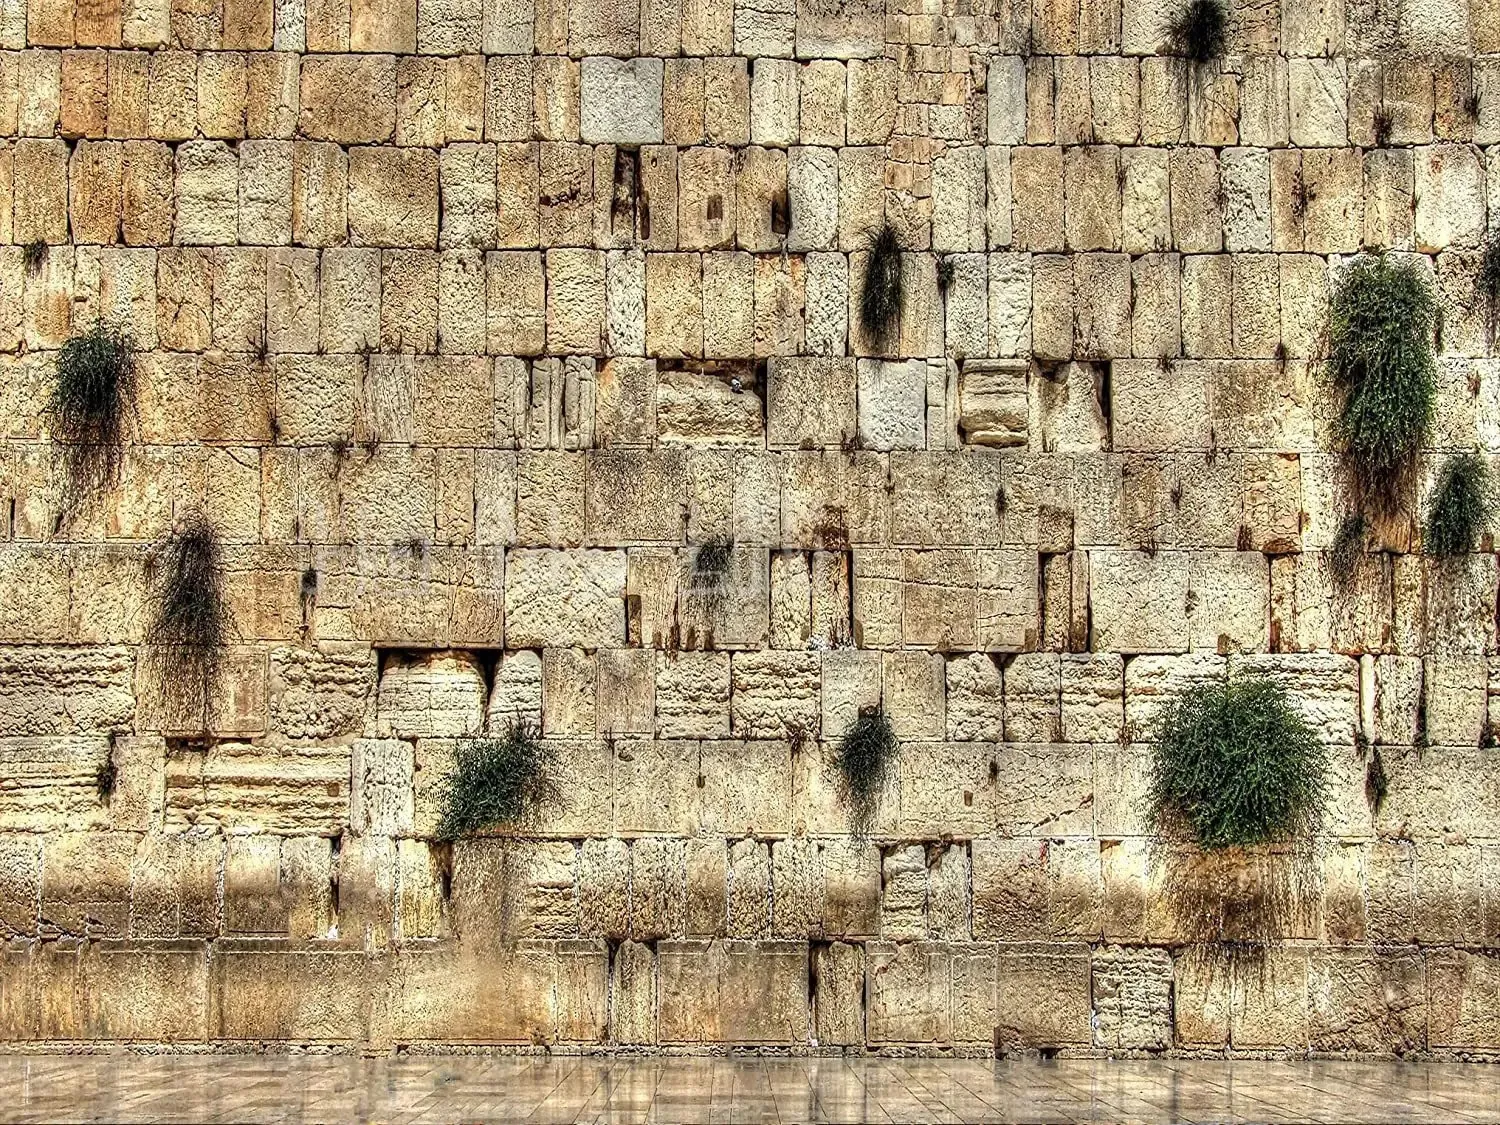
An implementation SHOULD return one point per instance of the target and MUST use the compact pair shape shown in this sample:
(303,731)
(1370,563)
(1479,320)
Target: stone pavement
(218,1088)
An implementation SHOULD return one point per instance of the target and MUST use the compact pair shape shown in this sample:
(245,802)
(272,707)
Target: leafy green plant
(864,759)
(1382,323)
(189,614)
(1236,765)
(93,390)
(1200,30)
(496,780)
(1462,504)
(884,284)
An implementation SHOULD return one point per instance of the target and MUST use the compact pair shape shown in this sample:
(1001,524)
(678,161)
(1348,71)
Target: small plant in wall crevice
(1383,321)
(34,257)
(189,615)
(108,772)
(1462,506)
(884,284)
(497,780)
(1236,765)
(1200,30)
(864,759)
(93,391)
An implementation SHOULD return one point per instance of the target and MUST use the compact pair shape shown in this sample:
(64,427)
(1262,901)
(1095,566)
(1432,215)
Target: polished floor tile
(563,1090)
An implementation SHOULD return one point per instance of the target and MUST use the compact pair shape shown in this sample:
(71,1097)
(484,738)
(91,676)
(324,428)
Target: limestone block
(1366,1000)
(1092,697)
(747,790)
(674,305)
(779,304)
(1145,218)
(821,104)
(1247,199)
(322,692)
(841,31)
(621,101)
(774,102)
(55,781)
(1178,419)
(1102,314)
(692,695)
(516,700)
(682,101)
(705,199)
(1197,221)
(775,694)
(301,790)
(393,197)
(1130,989)
(813,198)
(565,598)
(1139,602)
(1325,686)
(1036,176)
(1334,218)
(1318,94)
(635,496)
(576,310)
(207,193)
(513,889)
(348,99)
(625,300)
(350,292)
(1449,197)
(430,695)
(1091,176)
(726,100)
(1455,710)
(1033,698)
(1156,314)
(958,200)
(810,402)
(733,991)
(657,868)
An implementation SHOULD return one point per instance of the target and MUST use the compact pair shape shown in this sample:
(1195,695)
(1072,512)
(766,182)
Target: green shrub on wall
(1199,31)
(189,614)
(1235,765)
(497,780)
(1382,323)
(93,391)
(865,757)
(1461,507)
(884,284)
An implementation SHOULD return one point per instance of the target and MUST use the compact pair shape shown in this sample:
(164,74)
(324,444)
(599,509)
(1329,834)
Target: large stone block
(621,101)
(733,991)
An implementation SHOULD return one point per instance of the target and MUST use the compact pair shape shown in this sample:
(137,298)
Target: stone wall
(468,322)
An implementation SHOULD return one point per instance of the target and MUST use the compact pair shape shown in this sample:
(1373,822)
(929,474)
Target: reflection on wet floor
(546,1088)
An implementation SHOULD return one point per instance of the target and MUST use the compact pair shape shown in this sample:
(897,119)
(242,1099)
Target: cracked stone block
(1132,997)
(993,402)
(431,695)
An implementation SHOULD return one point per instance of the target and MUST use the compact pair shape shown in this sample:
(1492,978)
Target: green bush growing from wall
(1382,322)
(1235,765)
(496,781)
(93,390)
(865,757)
(1462,505)
(190,617)
(884,284)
